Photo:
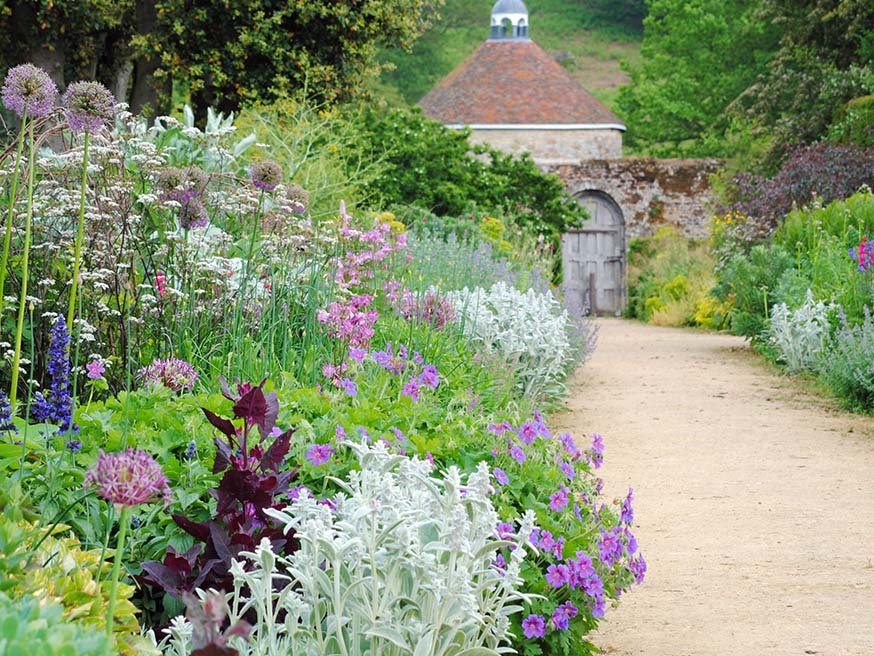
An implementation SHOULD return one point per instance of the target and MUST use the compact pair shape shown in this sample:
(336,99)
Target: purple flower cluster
(431,307)
(863,255)
(56,407)
(351,321)
(176,374)
(128,478)
(88,106)
(188,188)
(265,174)
(597,452)
(6,415)
(28,88)
(367,248)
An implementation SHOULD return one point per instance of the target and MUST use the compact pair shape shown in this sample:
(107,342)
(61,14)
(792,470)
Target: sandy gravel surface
(754,499)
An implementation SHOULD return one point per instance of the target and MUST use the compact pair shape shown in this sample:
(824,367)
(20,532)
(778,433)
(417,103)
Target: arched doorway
(593,257)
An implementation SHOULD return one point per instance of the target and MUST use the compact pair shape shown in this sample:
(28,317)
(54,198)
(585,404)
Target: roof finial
(509,20)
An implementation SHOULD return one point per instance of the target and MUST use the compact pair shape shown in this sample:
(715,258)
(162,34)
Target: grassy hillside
(589,41)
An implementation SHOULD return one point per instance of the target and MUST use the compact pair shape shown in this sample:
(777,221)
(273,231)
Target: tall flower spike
(29,88)
(88,106)
(128,478)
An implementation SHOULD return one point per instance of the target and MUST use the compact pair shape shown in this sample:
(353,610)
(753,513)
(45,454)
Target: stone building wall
(552,147)
(651,192)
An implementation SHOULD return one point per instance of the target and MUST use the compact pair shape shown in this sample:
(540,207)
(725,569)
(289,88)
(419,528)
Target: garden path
(754,499)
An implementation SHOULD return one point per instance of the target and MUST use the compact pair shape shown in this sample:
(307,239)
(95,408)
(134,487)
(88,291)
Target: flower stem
(77,258)
(10,216)
(123,520)
(13,392)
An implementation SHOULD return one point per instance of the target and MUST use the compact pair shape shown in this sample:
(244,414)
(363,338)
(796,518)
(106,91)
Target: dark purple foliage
(825,171)
(252,483)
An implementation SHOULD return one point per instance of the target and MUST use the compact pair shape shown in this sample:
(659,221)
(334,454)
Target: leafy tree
(430,166)
(229,53)
(698,56)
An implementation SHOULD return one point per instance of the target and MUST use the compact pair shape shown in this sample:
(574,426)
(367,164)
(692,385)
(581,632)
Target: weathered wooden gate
(593,257)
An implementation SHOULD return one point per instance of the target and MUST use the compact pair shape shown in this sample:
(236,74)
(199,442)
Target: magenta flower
(88,106)
(627,515)
(266,175)
(411,389)
(558,575)
(638,568)
(563,613)
(609,548)
(534,626)
(319,454)
(500,476)
(559,500)
(340,433)
(527,432)
(128,478)
(568,470)
(357,354)
(95,369)
(429,376)
(174,373)
(597,450)
(29,88)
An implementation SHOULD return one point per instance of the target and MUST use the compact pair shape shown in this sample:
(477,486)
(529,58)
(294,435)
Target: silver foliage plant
(529,330)
(403,565)
(800,335)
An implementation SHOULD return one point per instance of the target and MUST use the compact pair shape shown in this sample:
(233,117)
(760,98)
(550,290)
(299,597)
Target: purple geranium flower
(429,376)
(319,454)
(357,354)
(411,389)
(95,369)
(500,476)
(534,626)
(638,568)
(609,548)
(349,387)
(568,470)
(518,454)
(527,432)
(627,515)
(562,614)
(559,500)
(558,575)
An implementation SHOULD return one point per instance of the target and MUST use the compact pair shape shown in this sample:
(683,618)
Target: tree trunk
(148,96)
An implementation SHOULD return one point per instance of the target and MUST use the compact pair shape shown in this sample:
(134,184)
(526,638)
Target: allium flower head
(88,106)
(266,174)
(128,478)
(298,198)
(174,373)
(193,214)
(28,87)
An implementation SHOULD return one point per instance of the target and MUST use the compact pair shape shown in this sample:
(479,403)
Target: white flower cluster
(799,336)
(529,330)
(404,565)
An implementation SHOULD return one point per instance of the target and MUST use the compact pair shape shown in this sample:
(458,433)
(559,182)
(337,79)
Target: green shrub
(846,364)
(854,123)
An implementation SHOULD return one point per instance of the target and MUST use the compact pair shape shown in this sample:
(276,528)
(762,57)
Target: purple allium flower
(74,446)
(6,415)
(429,376)
(558,575)
(88,106)
(357,354)
(298,198)
(176,374)
(95,369)
(266,174)
(559,500)
(518,454)
(527,432)
(193,214)
(568,470)
(56,407)
(411,389)
(349,387)
(627,515)
(29,88)
(128,478)
(638,568)
(534,626)
(319,454)
(500,476)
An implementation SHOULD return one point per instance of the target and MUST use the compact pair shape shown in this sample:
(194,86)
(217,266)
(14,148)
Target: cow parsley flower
(128,478)
(29,88)
(88,106)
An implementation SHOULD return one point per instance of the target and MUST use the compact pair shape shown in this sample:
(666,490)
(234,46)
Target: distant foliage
(430,166)
(854,123)
(824,172)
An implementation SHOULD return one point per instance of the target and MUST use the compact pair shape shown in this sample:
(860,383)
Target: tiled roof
(512,82)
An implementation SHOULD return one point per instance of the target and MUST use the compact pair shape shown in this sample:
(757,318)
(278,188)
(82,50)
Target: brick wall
(552,147)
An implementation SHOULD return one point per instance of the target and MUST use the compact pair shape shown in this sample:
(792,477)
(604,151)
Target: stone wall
(651,192)
(553,147)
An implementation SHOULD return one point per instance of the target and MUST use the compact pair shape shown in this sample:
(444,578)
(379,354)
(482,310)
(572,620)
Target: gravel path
(754,499)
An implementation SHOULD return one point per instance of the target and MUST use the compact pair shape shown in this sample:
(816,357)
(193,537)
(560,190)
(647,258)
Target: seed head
(266,174)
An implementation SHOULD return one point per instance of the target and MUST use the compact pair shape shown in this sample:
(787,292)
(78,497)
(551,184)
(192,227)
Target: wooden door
(593,257)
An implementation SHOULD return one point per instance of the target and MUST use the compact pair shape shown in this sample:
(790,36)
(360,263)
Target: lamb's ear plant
(402,562)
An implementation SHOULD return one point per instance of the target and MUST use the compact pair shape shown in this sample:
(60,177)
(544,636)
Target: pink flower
(319,454)
(128,478)
(95,369)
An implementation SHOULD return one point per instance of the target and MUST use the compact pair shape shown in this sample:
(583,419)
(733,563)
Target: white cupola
(509,20)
